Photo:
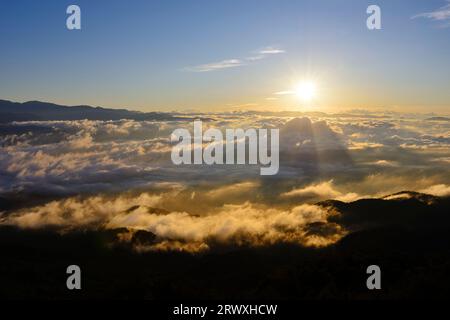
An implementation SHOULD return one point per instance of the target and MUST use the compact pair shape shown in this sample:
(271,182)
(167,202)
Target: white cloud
(271,50)
(224,64)
(385,163)
(235,62)
(441,14)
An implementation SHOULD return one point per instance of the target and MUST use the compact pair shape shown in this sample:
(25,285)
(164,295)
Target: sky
(228,55)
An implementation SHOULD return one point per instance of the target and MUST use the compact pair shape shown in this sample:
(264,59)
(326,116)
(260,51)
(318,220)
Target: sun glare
(306,90)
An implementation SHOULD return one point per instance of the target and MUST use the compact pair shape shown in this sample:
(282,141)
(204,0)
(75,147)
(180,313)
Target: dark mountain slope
(42,111)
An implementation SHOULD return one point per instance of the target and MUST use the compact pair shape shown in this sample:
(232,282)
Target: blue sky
(146,55)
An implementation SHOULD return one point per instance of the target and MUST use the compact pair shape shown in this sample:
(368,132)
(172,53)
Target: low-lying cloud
(243,224)
(74,174)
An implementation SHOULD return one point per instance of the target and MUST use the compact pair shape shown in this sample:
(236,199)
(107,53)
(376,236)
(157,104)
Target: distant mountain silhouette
(43,111)
(404,209)
(438,119)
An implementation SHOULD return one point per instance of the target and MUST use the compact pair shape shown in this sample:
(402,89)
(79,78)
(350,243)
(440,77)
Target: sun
(306,90)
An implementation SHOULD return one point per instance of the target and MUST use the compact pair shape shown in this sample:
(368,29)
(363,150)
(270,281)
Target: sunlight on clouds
(343,157)
(321,191)
(243,224)
(439,190)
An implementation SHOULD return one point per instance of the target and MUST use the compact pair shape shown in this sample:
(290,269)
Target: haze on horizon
(220,56)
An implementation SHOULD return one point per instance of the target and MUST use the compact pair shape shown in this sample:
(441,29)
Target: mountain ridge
(45,111)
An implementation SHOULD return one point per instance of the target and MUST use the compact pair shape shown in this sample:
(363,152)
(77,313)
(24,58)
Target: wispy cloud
(264,53)
(271,50)
(255,58)
(441,14)
(224,64)
(233,63)
(285,92)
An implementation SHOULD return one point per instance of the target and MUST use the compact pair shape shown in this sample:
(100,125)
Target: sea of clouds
(112,174)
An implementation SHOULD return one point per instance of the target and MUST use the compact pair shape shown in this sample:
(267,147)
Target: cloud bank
(112,174)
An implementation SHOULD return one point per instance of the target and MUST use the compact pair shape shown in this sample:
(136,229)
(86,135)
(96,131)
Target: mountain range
(45,111)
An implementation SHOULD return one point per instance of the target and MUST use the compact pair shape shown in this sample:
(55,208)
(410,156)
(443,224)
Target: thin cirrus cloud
(224,64)
(233,63)
(271,50)
(285,92)
(441,14)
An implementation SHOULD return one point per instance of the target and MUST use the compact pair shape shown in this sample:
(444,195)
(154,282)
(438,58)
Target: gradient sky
(147,55)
